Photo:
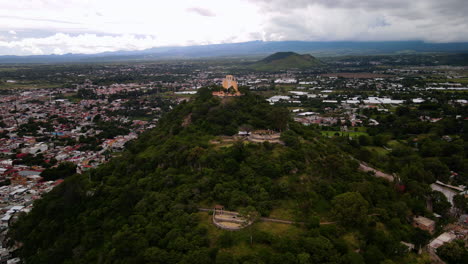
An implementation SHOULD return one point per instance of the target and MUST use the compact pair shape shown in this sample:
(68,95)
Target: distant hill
(253,48)
(286,60)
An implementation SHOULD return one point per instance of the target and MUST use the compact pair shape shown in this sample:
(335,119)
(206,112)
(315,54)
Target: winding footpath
(366,168)
(273,220)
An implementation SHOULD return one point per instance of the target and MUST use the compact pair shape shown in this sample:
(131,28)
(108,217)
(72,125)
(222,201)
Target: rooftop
(424,221)
(442,239)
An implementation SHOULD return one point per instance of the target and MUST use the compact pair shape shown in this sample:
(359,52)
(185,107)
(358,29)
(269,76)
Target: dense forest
(142,207)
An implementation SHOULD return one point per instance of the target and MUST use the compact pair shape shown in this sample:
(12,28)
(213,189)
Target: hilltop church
(230,87)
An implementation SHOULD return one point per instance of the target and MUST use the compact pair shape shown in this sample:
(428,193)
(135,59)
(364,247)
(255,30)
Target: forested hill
(286,60)
(142,207)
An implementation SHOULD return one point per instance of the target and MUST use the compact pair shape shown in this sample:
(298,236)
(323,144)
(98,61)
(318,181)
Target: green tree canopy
(454,252)
(350,209)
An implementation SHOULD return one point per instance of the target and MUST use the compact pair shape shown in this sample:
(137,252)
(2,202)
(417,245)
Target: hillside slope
(286,60)
(142,207)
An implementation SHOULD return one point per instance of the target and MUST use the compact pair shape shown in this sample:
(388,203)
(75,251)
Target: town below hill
(360,160)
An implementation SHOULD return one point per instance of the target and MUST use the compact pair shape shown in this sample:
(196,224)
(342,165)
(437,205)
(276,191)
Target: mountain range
(253,48)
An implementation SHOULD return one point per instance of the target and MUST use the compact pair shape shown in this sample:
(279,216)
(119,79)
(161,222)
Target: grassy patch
(24,85)
(380,226)
(9,69)
(245,249)
(285,210)
(352,240)
(414,258)
(241,239)
(224,145)
(282,230)
(395,143)
(378,150)
(322,207)
(359,129)
(213,231)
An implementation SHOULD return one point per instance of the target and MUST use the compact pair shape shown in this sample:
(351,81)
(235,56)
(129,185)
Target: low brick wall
(229,220)
(227,227)
(218,222)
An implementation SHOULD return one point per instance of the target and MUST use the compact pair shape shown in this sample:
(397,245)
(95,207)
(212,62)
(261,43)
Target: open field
(358,75)
(7,86)
(378,150)
(443,80)
(241,239)
(285,211)
(10,69)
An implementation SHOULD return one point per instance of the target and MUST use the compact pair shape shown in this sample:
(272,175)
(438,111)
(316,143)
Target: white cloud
(12,32)
(86,26)
(84,43)
(201,11)
(178,22)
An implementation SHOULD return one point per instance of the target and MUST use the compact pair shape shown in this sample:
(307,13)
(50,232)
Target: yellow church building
(230,87)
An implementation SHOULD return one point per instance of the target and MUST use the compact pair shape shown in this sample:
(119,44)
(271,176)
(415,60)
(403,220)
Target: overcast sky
(92,26)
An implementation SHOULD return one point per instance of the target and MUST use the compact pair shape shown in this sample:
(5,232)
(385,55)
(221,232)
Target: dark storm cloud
(448,6)
(201,11)
(404,8)
(429,20)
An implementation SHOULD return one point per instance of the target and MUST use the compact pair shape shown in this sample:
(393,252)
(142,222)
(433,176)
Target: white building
(377,100)
(286,80)
(277,98)
(440,240)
